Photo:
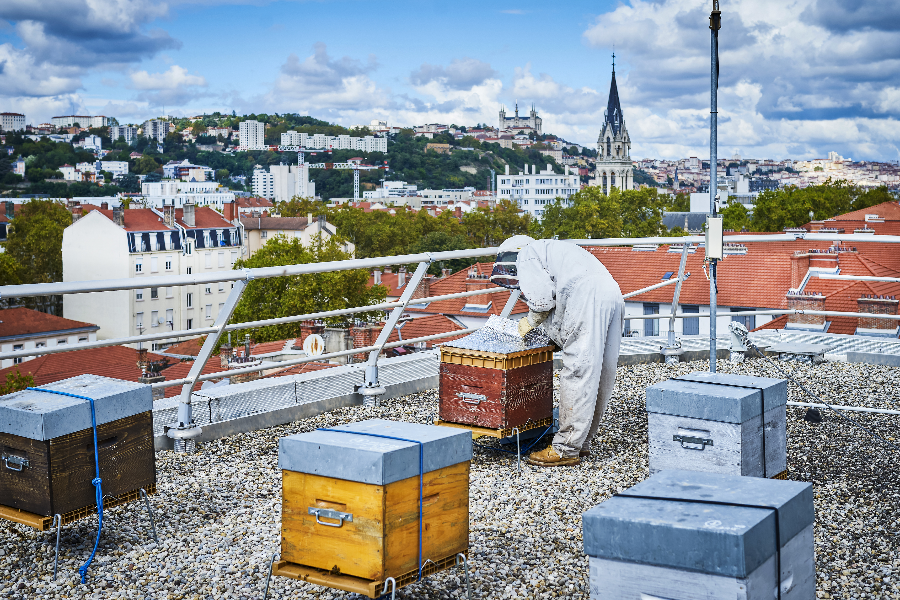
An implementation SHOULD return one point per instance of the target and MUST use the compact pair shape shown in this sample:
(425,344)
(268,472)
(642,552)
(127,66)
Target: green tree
(486,227)
(735,216)
(286,296)
(16,382)
(642,212)
(144,165)
(591,214)
(442,241)
(300,207)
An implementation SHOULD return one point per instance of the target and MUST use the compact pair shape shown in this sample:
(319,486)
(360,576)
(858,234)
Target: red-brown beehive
(496,391)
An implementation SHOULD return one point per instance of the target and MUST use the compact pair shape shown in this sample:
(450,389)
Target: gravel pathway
(218,511)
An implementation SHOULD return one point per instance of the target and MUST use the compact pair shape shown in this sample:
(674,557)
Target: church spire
(613,109)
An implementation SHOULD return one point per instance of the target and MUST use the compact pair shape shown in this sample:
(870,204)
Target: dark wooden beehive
(47,456)
(496,391)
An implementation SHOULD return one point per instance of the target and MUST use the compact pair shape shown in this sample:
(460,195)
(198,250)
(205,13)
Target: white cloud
(176,77)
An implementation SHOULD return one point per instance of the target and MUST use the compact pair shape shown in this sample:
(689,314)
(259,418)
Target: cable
(525,451)
(96,482)
(840,413)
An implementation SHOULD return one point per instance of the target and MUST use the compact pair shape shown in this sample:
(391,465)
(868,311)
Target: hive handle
(685,439)
(330,514)
(15,460)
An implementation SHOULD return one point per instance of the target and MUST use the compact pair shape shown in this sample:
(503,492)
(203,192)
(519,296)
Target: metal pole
(714,25)
(511,303)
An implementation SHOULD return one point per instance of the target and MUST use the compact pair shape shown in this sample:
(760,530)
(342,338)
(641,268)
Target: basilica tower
(614,166)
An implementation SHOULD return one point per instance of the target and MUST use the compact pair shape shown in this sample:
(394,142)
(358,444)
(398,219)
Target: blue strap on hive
(421,473)
(97,482)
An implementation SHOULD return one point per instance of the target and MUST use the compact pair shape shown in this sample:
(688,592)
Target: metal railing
(241,278)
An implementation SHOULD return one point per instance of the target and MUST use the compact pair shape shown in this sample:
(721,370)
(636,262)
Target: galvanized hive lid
(709,401)
(374,460)
(42,416)
(774,390)
(683,533)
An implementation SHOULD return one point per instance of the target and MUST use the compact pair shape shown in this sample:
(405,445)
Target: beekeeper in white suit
(581,307)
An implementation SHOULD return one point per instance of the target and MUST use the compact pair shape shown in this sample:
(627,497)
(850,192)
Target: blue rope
(96,482)
(421,474)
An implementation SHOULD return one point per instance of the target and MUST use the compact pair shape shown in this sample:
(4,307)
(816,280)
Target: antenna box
(47,444)
(351,501)
(720,423)
(694,535)
(495,390)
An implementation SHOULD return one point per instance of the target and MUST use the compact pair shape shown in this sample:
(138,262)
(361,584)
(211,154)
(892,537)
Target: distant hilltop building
(525,124)
(82,121)
(10,121)
(614,166)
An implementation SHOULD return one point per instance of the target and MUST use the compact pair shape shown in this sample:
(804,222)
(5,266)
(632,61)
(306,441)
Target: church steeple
(613,109)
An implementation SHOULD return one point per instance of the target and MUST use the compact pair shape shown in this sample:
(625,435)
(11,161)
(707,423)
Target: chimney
(401,277)
(376,276)
(362,336)
(229,212)
(507,169)
(799,267)
(142,362)
(309,218)
(806,301)
(549,168)
(119,215)
(475,281)
(76,213)
(225,355)
(189,214)
(445,273)
(388,270)
(424,289)
(104,205)
(877,305)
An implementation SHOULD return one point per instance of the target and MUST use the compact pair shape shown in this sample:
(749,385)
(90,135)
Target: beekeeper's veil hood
(505,273)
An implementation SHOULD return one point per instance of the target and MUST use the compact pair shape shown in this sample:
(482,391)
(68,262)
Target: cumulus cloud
(810,75)
(461,74)
(172,87)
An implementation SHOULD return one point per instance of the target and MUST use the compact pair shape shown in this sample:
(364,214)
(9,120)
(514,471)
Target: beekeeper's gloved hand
(531,320)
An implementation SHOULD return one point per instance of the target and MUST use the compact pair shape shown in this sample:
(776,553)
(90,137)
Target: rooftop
(280,223)
(25,322)
(118,362)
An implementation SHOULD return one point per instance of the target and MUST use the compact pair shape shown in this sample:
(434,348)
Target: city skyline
(799,79)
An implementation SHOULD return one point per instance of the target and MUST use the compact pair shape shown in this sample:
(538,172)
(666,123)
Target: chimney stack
(877,305)
(376,275)
(445,273)
(76,213)
(401,277)
(104,205)
(119,215)
(189,214)
(224,355)
(806,301)
(229,212)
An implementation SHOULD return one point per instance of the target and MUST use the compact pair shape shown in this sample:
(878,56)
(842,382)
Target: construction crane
(348,166)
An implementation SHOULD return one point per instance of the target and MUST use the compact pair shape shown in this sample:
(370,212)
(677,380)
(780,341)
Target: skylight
(668,275)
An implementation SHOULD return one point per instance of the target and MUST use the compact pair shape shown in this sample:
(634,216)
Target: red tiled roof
(136,219)
(204,218)
(25,321)
(456,283)
(187,348)
(271,347)
(118,362)
(889,211)
(180,370)
(424,326)
(253,202)
(301,368)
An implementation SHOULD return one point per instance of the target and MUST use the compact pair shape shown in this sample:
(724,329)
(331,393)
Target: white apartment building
(124,131)
(369,143)
(283,182)
(391,189)
(140,243)
(12,121)
(252,135)
(185,170)
(533,190)
(84,121)
(445,196)
(93,143)
(156,129)
(116,167)
(26,329)
(179,193)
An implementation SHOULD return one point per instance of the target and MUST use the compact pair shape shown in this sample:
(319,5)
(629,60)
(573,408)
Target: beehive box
(47,444)
(493,390)
(720,423)
(696,537)
(351,502)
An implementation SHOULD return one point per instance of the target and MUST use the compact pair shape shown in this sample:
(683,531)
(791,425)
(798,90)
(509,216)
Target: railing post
(511,303)
(371,388)
(185,431)
(673,349)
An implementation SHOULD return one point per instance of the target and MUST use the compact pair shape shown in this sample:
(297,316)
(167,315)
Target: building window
(190,323)
(208,258)
(62,342)
(651,326)
(234,256)
(188,248)
(246,235)
(154,318)
(221,259)
(154,264)
(190,300)
(168,263)
(41,345)
(209,311)
(748,321)
(139,296)
(189,270)
(221,286)
(139,320)
(690,325)
(208,289)
(154,293)
(82,339)
(170,317)
(262,234)
(221,306)
(138,267)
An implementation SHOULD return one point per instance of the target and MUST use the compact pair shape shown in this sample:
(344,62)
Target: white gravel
(218,511)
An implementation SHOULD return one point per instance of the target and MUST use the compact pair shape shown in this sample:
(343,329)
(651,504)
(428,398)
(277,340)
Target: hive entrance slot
(332,505)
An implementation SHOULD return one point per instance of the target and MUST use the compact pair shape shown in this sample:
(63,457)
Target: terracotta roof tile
(204,218)
(456,283)
(118,362)
(301,368)
(187,348)
(136,219)
(423,326)
(25,321)
(180,370)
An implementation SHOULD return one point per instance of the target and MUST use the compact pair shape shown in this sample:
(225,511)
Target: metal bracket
(330,514)
(472,398)
(16,460)
(685,439)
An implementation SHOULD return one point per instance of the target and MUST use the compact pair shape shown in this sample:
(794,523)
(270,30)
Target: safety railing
(371,387)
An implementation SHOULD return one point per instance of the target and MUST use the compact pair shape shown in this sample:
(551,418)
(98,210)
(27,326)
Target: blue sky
(799,77)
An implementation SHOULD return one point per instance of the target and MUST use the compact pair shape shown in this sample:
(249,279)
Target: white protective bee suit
(582,311)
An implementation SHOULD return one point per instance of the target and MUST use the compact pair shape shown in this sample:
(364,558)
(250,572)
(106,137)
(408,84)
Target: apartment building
(533,190)
(156,129)
(124,131)
(84,121)
(26,329)
(259,230)
(252,135)
(10,121)
(116,167)
(142,243)
(368,143)
(180,193)
(283,182)
(186,170)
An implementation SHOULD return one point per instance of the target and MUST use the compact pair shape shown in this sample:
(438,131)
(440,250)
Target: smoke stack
(76,213)
(104,205)
(401,277)
(119,215)
(229,211)
(376,274)
(189,214)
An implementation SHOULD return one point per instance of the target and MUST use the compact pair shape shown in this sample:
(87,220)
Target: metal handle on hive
(684,439)
(472,398)
(16,460)
(330,514)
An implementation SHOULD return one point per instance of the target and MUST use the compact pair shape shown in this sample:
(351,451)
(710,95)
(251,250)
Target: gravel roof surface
(218,511)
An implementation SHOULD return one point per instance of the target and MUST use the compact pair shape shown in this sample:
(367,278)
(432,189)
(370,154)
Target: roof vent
(645,247)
